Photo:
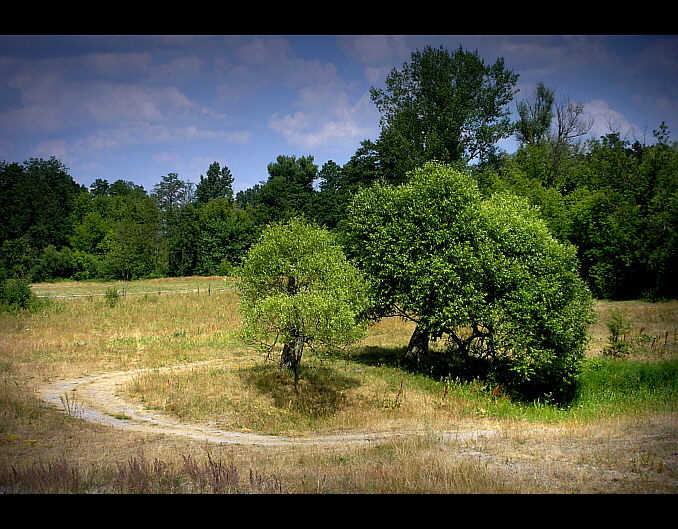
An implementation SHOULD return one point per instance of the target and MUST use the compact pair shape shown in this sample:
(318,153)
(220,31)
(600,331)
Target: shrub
(112,297)
(618,325)
(15,294)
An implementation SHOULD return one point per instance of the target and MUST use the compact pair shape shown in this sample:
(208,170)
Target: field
(359,423)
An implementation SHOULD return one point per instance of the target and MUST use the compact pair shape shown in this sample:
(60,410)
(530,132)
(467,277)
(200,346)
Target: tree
(171,193)
(550,135)
(535,116)
(36,200)
(442,106)
(298,288)
(328,203)
(486,273)
(134,248)
(225,233)
(218,183)
(182,248)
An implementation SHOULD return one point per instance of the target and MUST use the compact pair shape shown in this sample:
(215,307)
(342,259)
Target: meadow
(619,436)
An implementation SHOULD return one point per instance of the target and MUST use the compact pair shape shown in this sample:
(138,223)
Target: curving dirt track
(96,398)
(616,459)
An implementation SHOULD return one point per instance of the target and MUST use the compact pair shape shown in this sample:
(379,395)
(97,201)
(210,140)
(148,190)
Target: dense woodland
(614,198)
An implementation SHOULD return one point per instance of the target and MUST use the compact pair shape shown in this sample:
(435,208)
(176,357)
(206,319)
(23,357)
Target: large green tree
(442,106)
(36,200)
(485,272)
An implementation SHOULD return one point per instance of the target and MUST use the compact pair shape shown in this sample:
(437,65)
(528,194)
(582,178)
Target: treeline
(615,200)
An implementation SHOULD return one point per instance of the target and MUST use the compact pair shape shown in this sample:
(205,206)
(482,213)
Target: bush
(112,297)
(15,294)
(618,325)
(53,264)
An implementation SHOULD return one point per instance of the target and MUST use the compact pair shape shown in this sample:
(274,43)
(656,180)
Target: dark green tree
(225,234)
(171,193)
(99,187)
(288,190)
(135,248)
(218,183)
(442,106)
(536,116)
(183,243)
(37,198)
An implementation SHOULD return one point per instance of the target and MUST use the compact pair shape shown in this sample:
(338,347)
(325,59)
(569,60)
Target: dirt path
(616,459)
(97,399)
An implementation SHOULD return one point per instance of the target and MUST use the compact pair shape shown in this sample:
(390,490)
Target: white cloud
(114,64)
(327,119)
(143,133)
(45,149)
(607,120)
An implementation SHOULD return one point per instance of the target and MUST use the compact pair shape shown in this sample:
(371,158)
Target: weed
(618,325)
(112,296)
(71,406)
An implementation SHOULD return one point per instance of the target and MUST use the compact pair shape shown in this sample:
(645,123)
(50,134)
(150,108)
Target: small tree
(298,288)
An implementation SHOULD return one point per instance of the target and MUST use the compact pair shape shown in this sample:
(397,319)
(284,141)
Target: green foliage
(616,202)
(298,288)
(15,293)
(16,257)
(535,116)
(218,183)
(171,193)
(53,264)
(618,325)
(36,200)
(612,384)
(442,106)
(112,297)
(288,190)
(485,272)
(203,236)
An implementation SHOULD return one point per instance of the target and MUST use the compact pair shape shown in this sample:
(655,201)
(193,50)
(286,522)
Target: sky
(137,108)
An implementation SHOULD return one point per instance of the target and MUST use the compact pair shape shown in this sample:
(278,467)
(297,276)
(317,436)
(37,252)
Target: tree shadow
(320,391)
(372,355)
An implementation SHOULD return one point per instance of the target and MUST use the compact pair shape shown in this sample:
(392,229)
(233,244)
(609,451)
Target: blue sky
(139,107)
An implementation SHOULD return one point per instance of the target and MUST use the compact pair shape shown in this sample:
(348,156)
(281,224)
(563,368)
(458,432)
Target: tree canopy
(485,272)
(299,289)
(442,106)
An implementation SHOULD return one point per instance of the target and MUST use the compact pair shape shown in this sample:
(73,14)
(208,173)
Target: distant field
(99,288)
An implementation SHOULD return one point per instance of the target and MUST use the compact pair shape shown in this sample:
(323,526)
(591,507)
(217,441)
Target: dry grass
(654,326)
(84,336)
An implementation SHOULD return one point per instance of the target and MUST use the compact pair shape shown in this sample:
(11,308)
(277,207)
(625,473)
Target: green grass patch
(608,387)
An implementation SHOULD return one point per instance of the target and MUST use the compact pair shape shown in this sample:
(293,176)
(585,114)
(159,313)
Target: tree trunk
(417,349)
(291,356)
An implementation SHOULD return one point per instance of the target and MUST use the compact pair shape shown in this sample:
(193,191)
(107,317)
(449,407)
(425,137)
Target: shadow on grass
(319,393)
(371,355)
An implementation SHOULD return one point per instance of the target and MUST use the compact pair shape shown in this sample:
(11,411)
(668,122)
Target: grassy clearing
(362,389)
(150,286)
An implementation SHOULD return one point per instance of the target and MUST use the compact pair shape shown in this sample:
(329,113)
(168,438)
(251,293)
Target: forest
(613,198)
